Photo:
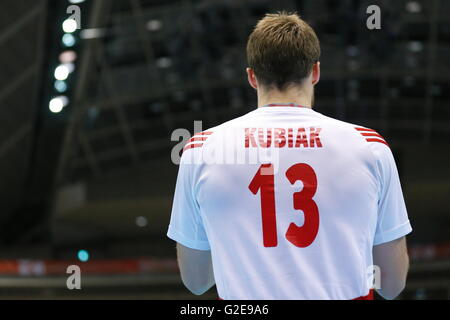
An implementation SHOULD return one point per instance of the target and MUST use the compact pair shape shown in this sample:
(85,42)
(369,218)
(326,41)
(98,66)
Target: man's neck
(284,98)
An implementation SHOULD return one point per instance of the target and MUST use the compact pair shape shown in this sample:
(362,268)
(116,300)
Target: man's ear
(252,78)
(316,73)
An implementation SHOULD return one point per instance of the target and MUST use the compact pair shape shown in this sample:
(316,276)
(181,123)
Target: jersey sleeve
(186,225)
(392,222)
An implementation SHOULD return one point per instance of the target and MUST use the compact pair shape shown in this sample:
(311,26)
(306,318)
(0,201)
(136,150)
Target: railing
(429,277)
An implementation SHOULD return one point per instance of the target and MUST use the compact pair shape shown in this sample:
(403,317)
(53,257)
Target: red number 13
(264,180)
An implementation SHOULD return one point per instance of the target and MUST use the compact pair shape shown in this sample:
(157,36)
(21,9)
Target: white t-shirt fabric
(290,203)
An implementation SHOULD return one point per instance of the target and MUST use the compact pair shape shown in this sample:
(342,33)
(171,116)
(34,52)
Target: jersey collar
(294,105)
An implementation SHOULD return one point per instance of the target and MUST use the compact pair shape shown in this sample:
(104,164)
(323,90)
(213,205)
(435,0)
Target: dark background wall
(98,176)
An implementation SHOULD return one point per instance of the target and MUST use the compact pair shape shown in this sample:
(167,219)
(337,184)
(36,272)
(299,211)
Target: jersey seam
(380,181)
(175,233)
(381,237)
(396,227)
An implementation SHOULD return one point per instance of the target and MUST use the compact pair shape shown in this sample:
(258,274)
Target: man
(284,202)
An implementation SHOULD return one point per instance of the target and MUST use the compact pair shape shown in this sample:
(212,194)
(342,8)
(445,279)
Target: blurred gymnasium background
(86,117)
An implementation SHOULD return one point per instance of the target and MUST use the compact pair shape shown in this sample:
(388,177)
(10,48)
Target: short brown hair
(282,50)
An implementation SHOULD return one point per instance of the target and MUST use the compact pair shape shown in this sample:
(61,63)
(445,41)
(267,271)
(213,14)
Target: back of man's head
(282,50)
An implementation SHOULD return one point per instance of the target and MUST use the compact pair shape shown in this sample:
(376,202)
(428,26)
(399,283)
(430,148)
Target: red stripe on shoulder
(197,139)
(378,140)
(364,129)
(204,133)
(192,146)
(371,135)
(200,136)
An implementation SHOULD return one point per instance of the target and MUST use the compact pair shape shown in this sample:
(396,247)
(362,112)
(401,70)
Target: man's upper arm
(392,259)
(196,269)
(388,253)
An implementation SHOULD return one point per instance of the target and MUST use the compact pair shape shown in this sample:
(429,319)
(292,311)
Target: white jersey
(290,203)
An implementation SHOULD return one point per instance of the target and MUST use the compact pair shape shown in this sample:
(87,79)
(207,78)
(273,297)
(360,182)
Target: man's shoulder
(229,125)
(200,139)
(339,124)
(366,134)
